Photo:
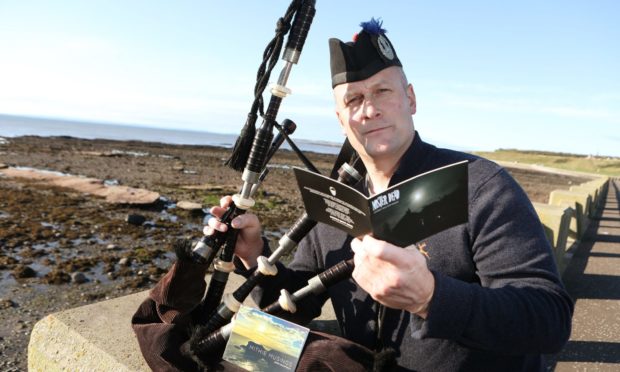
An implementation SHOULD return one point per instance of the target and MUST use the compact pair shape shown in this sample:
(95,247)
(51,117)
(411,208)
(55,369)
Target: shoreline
(90,130)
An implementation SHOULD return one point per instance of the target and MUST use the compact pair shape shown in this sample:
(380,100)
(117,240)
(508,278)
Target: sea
(15,126)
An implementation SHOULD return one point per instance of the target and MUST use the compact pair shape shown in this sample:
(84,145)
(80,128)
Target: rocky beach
(64,245)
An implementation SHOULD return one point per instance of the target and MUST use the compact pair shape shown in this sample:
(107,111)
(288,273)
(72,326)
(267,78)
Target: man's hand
(249,243)
(395,277)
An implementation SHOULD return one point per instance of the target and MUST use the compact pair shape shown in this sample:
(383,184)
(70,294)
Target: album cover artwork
(263,342)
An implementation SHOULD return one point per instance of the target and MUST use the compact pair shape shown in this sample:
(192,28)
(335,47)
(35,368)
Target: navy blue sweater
(498,302)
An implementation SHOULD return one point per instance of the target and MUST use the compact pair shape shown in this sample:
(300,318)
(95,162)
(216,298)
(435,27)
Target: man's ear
(411,98)
(340,122)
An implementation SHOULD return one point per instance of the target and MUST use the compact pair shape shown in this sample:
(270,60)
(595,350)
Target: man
(488,297)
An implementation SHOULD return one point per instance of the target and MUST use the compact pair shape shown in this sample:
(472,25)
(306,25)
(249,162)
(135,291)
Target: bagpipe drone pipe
(254,148)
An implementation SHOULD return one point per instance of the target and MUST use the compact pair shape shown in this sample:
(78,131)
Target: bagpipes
(213,312)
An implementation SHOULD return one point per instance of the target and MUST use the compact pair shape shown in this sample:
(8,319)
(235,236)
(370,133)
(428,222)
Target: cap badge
(385,48)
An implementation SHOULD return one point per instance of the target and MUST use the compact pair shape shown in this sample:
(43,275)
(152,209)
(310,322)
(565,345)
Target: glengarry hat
(369,52)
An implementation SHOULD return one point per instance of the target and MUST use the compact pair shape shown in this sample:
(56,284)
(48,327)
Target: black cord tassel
(243,145)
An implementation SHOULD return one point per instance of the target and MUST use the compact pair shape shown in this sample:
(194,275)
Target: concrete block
(601,184)
(556,223)
(580,202)
(593,192)
(96,337)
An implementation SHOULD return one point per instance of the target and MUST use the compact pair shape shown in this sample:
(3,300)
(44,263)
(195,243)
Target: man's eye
(353,100)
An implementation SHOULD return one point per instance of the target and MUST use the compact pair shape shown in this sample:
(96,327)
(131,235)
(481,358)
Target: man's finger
(217,211)
(217,225)
(243,221)
(385,251)
(356,245)
(225,201)
(238,222)
(375,247)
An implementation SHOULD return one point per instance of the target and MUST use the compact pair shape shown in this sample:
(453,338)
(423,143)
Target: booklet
(263,342)
(402,215)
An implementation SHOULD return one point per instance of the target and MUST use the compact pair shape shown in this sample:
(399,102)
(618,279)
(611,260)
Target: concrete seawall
(98,337)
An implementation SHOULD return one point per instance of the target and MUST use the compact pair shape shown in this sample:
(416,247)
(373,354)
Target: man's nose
(370,108)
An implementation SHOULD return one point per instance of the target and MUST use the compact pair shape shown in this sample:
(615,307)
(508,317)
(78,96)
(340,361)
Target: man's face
(375,114)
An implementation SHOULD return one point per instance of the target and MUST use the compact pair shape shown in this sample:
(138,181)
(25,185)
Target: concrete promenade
(593,280)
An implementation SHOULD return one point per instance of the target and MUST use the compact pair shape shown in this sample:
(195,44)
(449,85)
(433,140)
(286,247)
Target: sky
(530,75)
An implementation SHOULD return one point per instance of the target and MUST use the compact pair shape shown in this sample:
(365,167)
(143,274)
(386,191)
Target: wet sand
(61,248)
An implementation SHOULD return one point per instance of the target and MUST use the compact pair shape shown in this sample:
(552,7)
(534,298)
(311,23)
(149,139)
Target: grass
(211,199)
(607,166)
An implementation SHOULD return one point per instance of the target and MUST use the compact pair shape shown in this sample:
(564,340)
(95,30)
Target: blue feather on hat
(373,27)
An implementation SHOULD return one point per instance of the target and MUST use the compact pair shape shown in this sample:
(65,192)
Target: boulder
(189,206)
(135,219)
(114,194)
(23,271)
(78,278)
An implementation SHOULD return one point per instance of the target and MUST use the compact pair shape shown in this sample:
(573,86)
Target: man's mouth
(374,130)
